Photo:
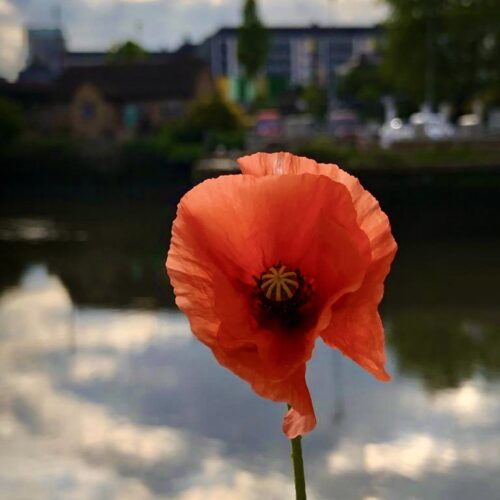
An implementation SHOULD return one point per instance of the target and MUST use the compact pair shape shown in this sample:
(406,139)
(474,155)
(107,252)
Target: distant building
(119,100)
(112,101)
(46,51)
(86,59)
(48,56)
(37,72)
(95,98)
(297,56)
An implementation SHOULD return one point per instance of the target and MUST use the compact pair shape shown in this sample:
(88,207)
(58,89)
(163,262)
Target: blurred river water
(104,393)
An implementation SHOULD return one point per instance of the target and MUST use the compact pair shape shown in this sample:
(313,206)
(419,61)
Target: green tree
(253,41)
(11,120)
(214,113)
(316,100)
(444,50)
(126,52)
(212,121)
(362,88)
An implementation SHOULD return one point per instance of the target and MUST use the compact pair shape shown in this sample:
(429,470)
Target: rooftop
(176,78)
(305,30)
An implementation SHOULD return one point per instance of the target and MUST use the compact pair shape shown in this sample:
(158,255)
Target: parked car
(268,123)
(344,125)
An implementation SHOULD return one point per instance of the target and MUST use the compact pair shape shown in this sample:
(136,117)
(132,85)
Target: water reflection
(37,230)
(100,401)
(101,258)
(445,348)
(61,404)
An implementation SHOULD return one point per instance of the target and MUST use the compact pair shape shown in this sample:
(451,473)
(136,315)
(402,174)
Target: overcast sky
(97,24)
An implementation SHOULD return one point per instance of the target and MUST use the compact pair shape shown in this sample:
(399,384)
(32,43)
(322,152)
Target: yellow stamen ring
(279,284)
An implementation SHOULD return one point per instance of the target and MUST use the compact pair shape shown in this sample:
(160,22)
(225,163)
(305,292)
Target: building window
(87,110)
(130,116)
(172,109)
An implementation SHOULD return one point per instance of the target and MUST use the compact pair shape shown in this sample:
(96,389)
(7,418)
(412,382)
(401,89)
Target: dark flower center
(282,294)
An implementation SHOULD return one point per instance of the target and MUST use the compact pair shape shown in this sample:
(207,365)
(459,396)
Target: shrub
(11,121)
(214,114)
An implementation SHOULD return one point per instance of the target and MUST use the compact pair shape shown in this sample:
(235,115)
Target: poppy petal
(300,418)
(315,220)
(361,335)
(262,164)
(355,326)
(192,282)
(370,217)
(212,262)
(357,331)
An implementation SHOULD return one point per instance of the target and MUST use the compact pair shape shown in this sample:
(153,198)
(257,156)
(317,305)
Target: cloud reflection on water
(103,403)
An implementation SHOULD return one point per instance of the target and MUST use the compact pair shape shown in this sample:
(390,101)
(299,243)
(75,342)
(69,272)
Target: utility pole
(330,11)
(429,73)
(138,30)
(56,16)
(330,78)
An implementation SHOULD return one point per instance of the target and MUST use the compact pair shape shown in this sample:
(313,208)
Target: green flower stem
(298,468)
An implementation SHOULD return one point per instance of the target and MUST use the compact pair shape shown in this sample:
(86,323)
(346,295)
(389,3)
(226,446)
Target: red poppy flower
(265,262)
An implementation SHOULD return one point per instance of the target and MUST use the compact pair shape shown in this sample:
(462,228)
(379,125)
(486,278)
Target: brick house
(116,101)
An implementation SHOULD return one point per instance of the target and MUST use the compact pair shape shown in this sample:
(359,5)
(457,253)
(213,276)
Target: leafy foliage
(253,40)
(11,120)
(214,113)
(362,88)
(209,122)
(316,100)
(126,53)
(445,50)
(411,156)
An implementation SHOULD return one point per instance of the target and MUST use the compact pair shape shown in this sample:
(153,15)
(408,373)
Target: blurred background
(110,111)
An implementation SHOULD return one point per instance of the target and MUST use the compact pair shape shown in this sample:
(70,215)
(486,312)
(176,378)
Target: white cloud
(428,443)
(89,367)
(346,459)
(237,484)
(59,442)
(62,444)
(470,404)
(98,24)
(39,317)
(412,456)
(11,40)
(52,437)
(322,12)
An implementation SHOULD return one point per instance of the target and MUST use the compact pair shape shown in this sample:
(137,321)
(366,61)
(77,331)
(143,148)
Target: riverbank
(427,202)
(30,161)
(435,189)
